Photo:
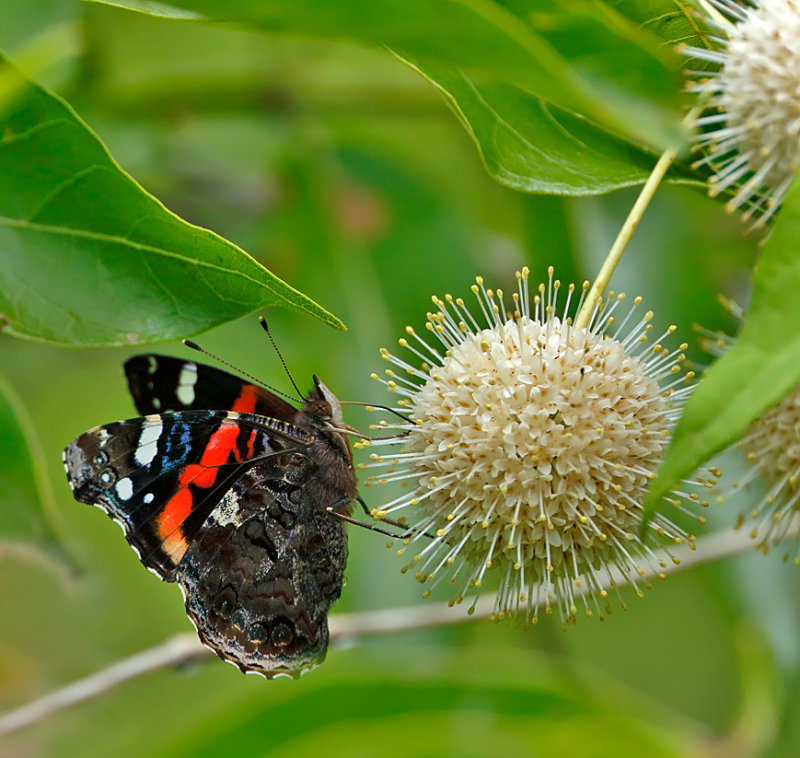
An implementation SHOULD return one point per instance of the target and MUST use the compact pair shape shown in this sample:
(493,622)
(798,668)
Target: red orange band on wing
(246,402)
(217,453)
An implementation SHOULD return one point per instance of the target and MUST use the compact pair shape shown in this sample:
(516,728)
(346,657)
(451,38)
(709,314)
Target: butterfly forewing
(160,383)
(160,476)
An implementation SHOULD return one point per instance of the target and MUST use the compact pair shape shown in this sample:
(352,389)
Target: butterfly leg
(372,527)
(367,510)
(398,524)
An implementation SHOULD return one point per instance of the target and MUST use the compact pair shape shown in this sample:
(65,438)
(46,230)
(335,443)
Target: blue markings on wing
(177,442)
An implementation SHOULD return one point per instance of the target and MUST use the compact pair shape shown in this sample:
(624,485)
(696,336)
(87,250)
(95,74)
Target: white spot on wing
(227,512)
(149,497)
(148,442)
(125,488)
(186,382)
(152,364)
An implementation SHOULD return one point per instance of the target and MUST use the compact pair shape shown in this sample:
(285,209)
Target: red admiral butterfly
(230,491)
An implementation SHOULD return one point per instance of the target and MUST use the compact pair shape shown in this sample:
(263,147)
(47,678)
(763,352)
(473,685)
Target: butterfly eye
(321,409)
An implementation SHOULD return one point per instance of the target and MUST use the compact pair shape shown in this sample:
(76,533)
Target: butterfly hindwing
(261,576)
(160,383)
(160,476)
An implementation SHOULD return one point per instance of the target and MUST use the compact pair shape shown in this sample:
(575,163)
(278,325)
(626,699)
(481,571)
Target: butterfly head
(324,408)
(323,405)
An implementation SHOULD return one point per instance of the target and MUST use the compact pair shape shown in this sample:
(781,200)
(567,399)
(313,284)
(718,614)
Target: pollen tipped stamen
(634,337)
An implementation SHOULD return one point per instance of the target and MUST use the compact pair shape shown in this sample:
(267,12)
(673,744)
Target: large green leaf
(582,56)
(530,145)
(22,484)
(88,257)
(761,366)
(533,145)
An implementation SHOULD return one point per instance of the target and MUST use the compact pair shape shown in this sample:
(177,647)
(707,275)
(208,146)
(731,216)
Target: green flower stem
(711,11)
(595,296)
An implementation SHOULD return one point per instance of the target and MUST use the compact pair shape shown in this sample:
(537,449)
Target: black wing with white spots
(160,383)
(160,476)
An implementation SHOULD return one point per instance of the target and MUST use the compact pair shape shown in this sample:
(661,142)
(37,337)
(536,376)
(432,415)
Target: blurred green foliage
(345,174)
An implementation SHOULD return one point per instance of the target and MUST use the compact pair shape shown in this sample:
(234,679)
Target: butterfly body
(227,489)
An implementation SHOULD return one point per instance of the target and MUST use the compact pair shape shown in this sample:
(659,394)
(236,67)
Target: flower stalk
(595,296)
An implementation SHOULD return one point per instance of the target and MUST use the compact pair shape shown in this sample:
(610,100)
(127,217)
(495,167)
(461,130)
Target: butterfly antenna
(263,322)
(372,406)
(195,346)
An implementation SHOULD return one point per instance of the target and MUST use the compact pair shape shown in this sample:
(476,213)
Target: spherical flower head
(771,448)
(752,141)
(530,447)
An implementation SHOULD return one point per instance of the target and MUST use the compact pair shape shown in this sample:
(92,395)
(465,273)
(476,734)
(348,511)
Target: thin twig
(713,547)
(175,651)
(183,648)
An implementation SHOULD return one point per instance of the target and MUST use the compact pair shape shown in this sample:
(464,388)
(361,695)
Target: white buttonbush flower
(530,446)
(771,448)
(752,137)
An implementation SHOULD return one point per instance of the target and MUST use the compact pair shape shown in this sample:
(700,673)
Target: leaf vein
(142,248)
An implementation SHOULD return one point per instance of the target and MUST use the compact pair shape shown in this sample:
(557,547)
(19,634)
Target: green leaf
(23,488)
(756,372)
(584,57)
(88,257)
(674,21)
(532,146)
(153,8)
